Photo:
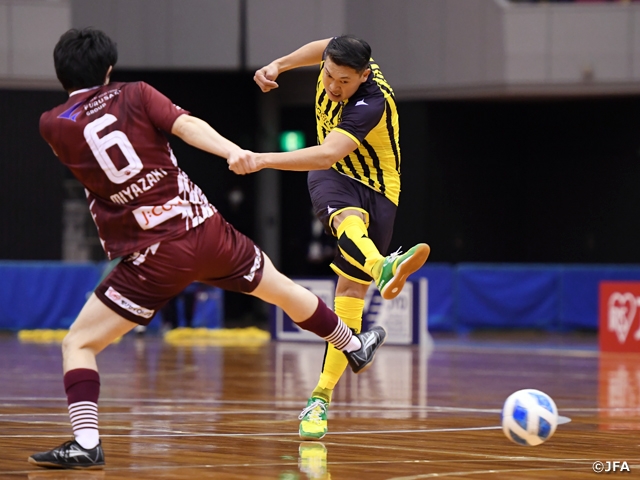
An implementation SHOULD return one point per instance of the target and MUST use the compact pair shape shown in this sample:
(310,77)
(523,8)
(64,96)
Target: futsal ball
(529,417)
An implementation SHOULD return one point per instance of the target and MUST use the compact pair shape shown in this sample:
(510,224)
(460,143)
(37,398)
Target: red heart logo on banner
(622,312)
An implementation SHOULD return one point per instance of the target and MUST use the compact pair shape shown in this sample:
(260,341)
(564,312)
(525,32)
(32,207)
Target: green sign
(291,140)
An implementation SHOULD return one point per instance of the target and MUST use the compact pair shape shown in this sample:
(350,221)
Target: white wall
(526,44)
(426,48)
(572,48)
(28,31)
(277,27)
(634,19)
(589,41)
(192,34)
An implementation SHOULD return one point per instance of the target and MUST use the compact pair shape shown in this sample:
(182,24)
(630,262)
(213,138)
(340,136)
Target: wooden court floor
(230,412)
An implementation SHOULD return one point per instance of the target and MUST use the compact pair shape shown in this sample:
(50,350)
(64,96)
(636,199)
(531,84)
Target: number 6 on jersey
(99,148)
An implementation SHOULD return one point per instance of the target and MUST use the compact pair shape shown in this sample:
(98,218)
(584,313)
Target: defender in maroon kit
(148,212)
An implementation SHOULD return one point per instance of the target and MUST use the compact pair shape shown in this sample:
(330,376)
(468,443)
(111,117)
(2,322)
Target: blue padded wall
(463,297)
(49,295)
(43,294)
(501,296)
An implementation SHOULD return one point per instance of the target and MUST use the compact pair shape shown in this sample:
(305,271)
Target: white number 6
(99,148)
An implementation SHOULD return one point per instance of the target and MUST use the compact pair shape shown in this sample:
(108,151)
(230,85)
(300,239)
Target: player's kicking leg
(95,328)
(391,272)
(311,313)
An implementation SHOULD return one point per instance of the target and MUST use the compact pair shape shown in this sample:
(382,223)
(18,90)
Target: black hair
(83,57)
(349,51)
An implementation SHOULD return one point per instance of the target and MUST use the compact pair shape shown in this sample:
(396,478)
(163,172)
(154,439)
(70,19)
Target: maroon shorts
(213,253)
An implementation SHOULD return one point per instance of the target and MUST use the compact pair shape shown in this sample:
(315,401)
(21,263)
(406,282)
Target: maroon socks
(83,389)
(328,325)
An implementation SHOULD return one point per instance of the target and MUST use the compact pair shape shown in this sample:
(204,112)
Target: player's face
(340,82)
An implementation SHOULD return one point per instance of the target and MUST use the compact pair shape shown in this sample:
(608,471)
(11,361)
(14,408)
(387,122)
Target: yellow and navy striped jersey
(370,118)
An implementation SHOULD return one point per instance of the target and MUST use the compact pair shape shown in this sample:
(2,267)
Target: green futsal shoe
(397,267)
(313,425)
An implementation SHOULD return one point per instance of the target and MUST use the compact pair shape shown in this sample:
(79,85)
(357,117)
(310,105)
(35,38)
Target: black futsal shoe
(70,455)
(360,360)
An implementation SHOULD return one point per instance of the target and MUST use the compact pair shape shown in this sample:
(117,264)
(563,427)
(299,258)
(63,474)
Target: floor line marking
(138,468)
(494,349)
(480,472)
(581,462)
(338,406)
(269,434)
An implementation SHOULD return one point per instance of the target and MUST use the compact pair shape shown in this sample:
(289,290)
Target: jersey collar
(82,90)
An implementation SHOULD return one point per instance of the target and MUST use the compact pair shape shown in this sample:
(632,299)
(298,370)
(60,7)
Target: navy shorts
(213,253)
(331,192)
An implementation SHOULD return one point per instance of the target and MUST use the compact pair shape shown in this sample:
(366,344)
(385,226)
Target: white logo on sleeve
(123,302)
(330,210)
(361,102)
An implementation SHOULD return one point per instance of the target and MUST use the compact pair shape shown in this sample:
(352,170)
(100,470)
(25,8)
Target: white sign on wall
(404,318)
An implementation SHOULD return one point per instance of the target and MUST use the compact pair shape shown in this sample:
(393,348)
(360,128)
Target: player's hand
(266,76)
(242,162)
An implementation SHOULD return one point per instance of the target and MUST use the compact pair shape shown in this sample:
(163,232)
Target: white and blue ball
(529,417)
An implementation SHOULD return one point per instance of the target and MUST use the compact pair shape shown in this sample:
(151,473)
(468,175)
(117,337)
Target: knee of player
(74,341)
(68,343)
(342,216)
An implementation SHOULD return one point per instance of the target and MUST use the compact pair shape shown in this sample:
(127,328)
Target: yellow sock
(349,309)
(323,393)
(377,267)
(355,244)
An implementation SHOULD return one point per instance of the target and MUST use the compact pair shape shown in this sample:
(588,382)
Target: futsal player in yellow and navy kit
(147,211)
(354,184)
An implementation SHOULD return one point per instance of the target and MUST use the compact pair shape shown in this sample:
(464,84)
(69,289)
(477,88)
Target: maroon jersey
(111,138)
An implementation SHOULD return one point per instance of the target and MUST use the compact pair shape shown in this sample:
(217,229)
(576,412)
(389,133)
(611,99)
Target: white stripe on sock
(341,336)
(84,421)
(74,407)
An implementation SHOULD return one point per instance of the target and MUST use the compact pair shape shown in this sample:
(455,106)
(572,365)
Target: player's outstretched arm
(309,54)
(200,134)
(319,157)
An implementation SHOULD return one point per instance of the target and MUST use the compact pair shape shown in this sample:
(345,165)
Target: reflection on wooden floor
(171,412)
